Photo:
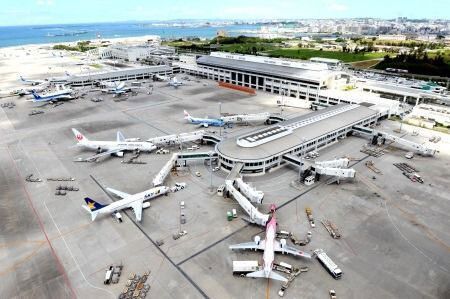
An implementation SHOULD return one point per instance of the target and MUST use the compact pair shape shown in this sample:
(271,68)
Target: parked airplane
(135,201)
(204,122)
(270,245)
(31,82)
(36,88)
(177,138)
(114,87)
(246,118)
(116,148)
(117,88)
(61,94)
(174,82)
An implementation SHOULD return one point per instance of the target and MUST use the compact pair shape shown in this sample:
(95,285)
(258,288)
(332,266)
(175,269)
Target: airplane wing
(137,208)
(102,154)
(249,245)
(118,193)
(290,250)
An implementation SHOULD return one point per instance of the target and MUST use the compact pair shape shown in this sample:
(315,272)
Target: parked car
(198,174)
(178,187)
(162,151)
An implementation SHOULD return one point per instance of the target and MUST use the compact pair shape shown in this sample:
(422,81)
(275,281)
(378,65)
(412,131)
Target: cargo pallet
(405,167)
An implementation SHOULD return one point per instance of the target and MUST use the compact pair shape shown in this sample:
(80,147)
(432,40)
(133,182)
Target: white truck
(328,264)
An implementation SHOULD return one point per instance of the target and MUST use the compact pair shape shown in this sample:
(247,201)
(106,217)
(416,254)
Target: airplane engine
(257,240)
(146,205)
(99,150)
(118,154)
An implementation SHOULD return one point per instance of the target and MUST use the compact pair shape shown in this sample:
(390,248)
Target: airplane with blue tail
(204,122)
(62,94)
(137,202)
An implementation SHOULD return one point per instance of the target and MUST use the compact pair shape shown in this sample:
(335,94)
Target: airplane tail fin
(22,79)
(186,115)
(262,274)
(67,74)
(92,207)
(35,95)
(120,137)
(80,137)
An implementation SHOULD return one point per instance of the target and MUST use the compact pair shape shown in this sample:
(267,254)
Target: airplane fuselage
(110,145)
(177,139)
(269,253)
(206,121)
(128,201)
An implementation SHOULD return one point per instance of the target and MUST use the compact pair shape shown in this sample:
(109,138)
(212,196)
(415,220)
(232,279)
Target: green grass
(247,48)
(96,65)
(305,54)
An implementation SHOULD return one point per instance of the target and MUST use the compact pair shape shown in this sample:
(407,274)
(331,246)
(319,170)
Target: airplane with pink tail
(270,245)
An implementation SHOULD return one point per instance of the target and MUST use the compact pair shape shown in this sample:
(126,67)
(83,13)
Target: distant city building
(393,37)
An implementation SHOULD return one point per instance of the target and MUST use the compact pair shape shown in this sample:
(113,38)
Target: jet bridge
(377,135)
(251,193)
(165,170)
(255,216)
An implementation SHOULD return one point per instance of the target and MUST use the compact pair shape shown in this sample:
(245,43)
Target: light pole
(220,115)
(300,168)
(210,170)
(282,98)
(401,122)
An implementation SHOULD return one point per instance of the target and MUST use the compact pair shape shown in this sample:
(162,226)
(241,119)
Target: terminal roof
(229,147)
(283,72)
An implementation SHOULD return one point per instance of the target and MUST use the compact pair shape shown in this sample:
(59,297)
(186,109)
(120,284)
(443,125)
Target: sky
(32,12)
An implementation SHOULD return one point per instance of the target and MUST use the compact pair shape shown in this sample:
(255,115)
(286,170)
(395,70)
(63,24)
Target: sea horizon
(22,35)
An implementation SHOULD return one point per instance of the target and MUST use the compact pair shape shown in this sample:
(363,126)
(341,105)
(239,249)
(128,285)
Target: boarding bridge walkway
(235,171)
(208,137)
(296,160)
(273,119)
(165,170)
(420,148)
(256,216)
(196,156)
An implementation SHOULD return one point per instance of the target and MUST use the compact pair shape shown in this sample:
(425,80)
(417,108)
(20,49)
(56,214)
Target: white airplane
(36,88)
(114,87)
(31,82)
(116,148)
(246,118)
(61,94)
(177,138)
(270,245)
(204,122)
(135,201)
(174,82)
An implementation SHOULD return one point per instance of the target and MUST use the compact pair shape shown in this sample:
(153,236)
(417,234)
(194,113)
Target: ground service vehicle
(328,264)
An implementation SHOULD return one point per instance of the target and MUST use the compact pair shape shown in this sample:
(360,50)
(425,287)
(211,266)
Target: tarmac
(395,233)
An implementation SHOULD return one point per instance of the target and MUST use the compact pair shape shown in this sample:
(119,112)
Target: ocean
(43,34)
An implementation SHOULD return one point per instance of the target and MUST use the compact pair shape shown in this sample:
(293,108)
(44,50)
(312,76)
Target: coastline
(124,40)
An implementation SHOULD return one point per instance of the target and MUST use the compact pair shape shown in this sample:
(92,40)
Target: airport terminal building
(124,74)
(301,84)
(271,147)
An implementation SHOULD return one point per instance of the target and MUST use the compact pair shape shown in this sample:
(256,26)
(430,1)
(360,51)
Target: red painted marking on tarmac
(41,225)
